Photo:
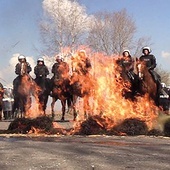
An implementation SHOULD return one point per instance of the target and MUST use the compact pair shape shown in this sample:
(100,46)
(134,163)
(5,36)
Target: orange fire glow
(106,97)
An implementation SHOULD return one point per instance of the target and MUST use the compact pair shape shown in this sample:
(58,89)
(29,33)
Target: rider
(83,63)
(18,68)
(41,70)
(60,69)
(151,64)
(128,63)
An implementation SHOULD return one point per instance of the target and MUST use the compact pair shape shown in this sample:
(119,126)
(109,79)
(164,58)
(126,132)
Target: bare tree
(114,32)
(65,24)
(165,75)
(139,44)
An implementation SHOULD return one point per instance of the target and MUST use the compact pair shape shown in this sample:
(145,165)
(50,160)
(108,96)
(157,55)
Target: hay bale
(25,125)
(94,125)
(20,125)
(131,127)
(155,132)
(43,123)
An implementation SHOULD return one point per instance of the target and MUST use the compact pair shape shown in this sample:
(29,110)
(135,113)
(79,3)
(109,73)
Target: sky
(19,30)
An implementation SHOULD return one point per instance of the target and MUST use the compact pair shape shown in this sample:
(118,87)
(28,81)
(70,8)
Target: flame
(102,92)
(106,98)
(31,89)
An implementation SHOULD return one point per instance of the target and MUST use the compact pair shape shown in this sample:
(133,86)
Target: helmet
(40,59)
(126,51)
(21,57)
(82,53)
(146,48)
(59,57)
(163,85)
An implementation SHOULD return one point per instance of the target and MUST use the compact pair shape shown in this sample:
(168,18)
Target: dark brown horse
(61,91)
(147,84)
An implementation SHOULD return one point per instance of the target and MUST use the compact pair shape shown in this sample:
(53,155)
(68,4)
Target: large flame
(31,89)
(104,87)
(106,98)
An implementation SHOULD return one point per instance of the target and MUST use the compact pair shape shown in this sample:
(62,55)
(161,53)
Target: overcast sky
(19,30)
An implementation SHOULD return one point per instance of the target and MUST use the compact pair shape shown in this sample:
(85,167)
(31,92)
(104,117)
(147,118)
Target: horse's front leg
(45,104)
(63,103)
(74,107)
(52,106)
(86,107)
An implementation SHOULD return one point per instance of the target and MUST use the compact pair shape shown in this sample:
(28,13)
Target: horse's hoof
(62,119)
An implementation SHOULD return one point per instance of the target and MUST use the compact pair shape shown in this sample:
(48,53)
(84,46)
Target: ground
(57,152)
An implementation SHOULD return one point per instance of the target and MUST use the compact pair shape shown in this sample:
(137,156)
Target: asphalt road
(36,152)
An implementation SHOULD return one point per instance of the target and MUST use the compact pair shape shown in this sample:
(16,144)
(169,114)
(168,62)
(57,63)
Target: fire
(107,100)
(103,99)
(31,89)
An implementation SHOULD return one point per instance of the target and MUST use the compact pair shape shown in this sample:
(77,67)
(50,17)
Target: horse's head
(141,69)
(23,69)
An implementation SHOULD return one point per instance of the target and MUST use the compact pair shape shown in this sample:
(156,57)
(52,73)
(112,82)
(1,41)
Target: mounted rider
(127,62)
(81,64)
(150,61)
(60,69)
(20,71)
(41,70)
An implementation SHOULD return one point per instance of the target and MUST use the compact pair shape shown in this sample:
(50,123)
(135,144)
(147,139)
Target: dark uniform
(150,61)
(41,71)
(127,62)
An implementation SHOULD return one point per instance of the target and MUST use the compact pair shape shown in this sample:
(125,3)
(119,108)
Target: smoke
(165,54)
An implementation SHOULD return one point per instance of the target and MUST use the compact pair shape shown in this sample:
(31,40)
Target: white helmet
(163,85)
(59,57)
(146,48)
(126,51)
(21,57)
(41,59)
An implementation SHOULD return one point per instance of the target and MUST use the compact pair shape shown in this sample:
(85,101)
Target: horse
(147,84)
(22,93)
(44,92)
(81,86)
(61,91)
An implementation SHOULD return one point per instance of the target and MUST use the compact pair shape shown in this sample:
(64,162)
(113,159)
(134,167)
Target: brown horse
(147,84)
(61,91)
(22,94)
